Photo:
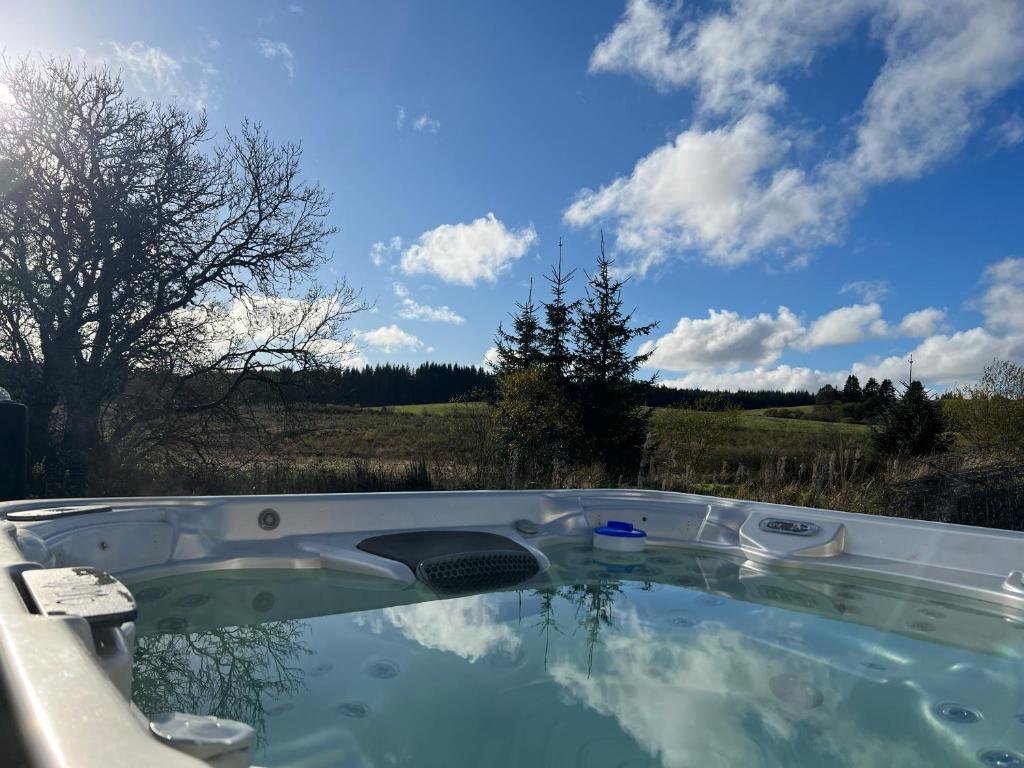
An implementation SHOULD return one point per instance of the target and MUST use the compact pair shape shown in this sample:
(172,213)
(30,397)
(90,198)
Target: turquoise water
(679,660)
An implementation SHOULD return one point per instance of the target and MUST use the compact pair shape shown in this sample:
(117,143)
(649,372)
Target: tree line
(432,382)
(386,384)
(661,396)
(853,402)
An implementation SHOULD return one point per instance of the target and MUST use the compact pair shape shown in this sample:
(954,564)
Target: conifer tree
(519,348)
(873,404)
(913,425)
(556,335)
(605,369)
(887,392)
(852,392)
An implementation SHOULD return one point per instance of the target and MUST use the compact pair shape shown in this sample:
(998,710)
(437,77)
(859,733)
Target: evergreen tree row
(853,401)
(387,384)
(661,395)
(568,393)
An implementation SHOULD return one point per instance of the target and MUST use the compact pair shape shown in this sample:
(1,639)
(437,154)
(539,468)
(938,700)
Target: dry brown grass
(451,447)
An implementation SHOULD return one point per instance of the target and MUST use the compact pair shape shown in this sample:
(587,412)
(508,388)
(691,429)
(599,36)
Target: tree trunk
(82,449)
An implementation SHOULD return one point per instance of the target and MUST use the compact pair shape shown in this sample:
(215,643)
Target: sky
(796,190)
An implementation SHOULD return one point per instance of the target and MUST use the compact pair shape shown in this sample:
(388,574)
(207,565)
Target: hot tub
(483,629)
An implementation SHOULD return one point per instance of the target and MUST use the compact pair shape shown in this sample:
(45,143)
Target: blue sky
(796,189)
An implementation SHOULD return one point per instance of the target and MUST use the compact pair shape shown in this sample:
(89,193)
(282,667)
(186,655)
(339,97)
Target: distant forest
(442,382)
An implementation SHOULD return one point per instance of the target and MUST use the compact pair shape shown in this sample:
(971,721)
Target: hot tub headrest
(457,562)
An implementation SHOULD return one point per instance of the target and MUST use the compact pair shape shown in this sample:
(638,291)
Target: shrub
(989,415)
(536,424)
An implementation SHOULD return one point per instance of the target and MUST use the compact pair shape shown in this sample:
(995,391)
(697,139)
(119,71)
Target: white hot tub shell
(67,687)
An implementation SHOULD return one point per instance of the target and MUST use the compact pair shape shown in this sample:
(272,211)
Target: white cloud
(490,360)
(924,322)
(719,192)
(258,321)
(1003,302)
(148,62)
(784,377)
(946,60)
(465,254)
(389,338)
(734,191)
(426,123)
(724,339)
(381,252)
(1010,132)
(845,325)
(947,359)
(708,350)
(1009,270)
(731,58)
(867,290)
(5,95)
(153,73)
(276,49)
(410,309)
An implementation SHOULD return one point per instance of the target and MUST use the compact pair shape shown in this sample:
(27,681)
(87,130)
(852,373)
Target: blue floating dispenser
(618,536)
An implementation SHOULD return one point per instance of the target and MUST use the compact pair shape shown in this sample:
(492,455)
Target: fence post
(13,450)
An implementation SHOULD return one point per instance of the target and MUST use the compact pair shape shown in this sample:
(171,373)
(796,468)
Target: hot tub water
(672,659)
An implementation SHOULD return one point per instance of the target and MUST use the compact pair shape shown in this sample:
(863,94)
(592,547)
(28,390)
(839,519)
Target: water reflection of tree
(547,620)
(225,672)
(593,604)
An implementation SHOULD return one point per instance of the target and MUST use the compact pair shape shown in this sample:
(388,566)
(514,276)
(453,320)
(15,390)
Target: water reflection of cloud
(370,621)
(469,627)
(712,698)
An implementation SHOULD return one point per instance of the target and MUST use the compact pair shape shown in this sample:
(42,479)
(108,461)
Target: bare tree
(148,274)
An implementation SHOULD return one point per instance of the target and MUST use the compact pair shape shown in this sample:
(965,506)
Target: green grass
(428,409)
(408,433)
(330,448)
(800,408)
(757,419)
(343,446)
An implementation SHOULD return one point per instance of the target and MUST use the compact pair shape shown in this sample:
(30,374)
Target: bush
(536,424)
(989,415)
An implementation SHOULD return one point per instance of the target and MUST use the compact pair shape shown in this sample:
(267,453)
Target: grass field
(760,420)
(747,454)
(447,433)
(429,409)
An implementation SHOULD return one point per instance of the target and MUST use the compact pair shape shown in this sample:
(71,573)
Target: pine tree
(851,390)
(611,397)
(873,404)
(887,392)
(519,348)
(913,425)
(555,336)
